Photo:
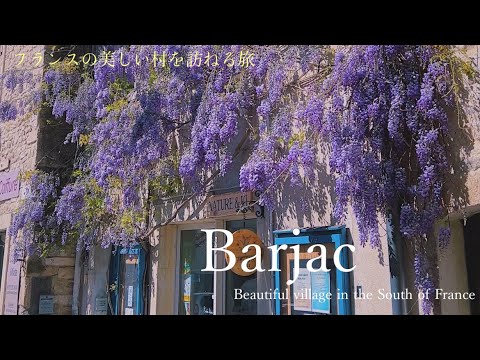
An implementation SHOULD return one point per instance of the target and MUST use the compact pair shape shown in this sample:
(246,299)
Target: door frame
(194,226)
(114,269)
(219,277)
(320,235)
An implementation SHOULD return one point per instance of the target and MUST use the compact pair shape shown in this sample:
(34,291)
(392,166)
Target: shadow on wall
(463,125)
(308,204)
(230,182)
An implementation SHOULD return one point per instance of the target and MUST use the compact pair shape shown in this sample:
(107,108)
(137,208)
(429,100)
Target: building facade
(34,285)
(166,277)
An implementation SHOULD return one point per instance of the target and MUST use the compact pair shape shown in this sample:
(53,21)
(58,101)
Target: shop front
(213,292)
(313,292)
(210,293)
(237,292)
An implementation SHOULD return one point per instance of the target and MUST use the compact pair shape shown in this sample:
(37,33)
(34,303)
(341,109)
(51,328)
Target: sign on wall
(310,291)
(320,285)
(45,306)
(101,306)
(242,238)
(9,185)
(227,204)
(12,287)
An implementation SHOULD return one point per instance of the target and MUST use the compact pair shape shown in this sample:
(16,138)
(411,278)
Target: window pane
(130,286)
(234,281)
(196,286)
(311,295)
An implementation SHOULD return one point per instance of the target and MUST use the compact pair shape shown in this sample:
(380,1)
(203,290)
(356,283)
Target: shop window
(312,293)
(246,283)
(300,297)
(196,286)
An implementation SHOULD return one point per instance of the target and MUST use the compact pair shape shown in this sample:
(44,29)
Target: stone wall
(18,138)
(18,147)
(472,157)
(370,274)
(20,150)
(452,261)
(58,272)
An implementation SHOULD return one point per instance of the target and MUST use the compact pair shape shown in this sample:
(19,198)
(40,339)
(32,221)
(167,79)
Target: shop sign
(228,204)
(12,287)
(242,238)
(9,185)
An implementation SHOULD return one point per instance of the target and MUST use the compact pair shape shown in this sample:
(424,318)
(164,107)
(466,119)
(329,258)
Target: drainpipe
(4,53)
(397,270)
(77,279)
(271,227)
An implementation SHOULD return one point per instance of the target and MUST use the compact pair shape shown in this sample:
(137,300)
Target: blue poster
(320,282)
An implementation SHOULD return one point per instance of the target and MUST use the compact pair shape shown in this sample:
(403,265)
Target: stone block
(63,310)
(48,271)
(59,261)
(35,265)
(4,163)
(66,272)
(63,300)
(63,287)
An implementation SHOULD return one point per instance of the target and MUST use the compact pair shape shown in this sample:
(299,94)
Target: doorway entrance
(197,287)
(207,292)
(127,278)
(245,283)
(472,254)
(312,293)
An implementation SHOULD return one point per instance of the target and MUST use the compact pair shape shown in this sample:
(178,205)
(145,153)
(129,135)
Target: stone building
(458,266)
(35,285)
(166,278)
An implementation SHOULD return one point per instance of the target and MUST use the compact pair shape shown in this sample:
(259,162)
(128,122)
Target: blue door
(313,293)
(127,277)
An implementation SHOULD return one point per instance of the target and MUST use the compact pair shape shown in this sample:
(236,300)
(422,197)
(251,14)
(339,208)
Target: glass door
(197,290)
(316,292)
(127,270)
(234,281)
(313,293)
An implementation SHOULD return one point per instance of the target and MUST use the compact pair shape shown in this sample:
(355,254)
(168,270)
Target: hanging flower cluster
(382,110)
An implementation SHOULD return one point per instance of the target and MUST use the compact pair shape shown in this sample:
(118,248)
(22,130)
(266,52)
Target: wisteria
(388,131)
(424,281)
(35,218)
(21,93)
(156,126)
(7,111)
